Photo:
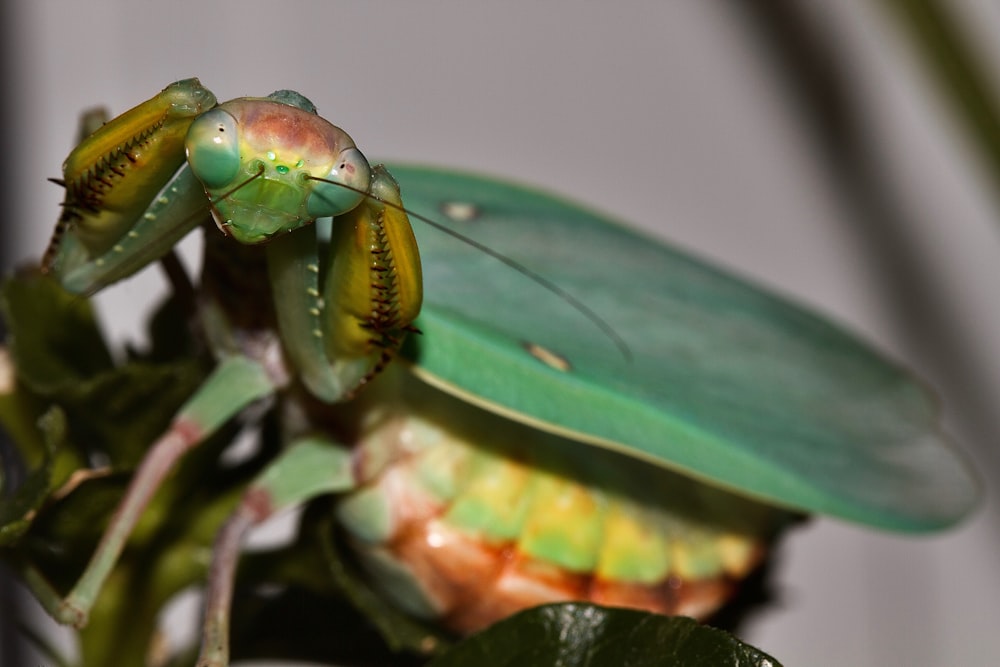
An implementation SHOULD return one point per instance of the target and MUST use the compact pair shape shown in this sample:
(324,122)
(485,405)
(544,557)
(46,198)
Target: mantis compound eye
(213,148)
(328,198)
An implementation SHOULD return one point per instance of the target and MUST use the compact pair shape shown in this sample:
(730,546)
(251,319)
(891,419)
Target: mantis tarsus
(339,318)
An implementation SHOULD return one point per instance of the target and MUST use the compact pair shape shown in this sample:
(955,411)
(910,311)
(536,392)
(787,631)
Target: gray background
(665,114)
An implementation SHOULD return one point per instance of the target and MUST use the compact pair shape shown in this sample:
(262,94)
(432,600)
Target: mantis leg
(343,317)
(236,383)
(129,197)
(179,208)
(310,467)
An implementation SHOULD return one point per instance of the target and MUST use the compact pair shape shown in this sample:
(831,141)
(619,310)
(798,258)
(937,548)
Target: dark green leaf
(578,634)
(48,465)
(54,339)
(122,411)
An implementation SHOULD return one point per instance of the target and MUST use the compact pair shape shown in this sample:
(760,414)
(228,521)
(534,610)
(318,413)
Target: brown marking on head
(292,132)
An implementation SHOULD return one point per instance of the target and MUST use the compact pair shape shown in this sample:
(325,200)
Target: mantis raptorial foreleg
(129,197)
(340,332)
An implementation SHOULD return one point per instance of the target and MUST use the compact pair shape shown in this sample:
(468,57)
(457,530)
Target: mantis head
(270,167)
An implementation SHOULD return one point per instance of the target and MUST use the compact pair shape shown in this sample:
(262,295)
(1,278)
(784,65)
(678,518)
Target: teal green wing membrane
(721,380)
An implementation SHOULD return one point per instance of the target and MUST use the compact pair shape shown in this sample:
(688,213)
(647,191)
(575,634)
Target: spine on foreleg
(114,173)
(374,286)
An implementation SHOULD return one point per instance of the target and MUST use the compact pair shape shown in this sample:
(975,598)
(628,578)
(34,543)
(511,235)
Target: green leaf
(68,403)
(46,461)
(121,412)
(54,338)
(727,383)
(579,634)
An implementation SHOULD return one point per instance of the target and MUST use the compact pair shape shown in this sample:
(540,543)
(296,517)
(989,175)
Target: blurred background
(808,146)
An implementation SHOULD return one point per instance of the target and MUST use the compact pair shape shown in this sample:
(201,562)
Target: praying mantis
(470,513)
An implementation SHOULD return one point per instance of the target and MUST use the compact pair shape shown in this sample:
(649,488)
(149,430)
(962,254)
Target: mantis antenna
(534,276)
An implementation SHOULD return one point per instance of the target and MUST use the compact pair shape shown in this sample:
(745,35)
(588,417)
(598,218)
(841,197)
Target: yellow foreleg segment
(375,287)
(114,174)
(340,336)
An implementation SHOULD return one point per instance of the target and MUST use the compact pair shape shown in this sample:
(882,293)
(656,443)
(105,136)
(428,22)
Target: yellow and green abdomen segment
(471,517)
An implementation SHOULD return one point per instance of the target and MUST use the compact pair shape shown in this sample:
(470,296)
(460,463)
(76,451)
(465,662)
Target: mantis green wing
(727,383)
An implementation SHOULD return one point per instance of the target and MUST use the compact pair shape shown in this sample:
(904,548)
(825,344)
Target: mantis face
(259,161)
